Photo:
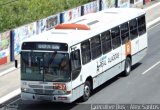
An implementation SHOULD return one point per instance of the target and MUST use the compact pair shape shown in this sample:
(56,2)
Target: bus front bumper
(52,98)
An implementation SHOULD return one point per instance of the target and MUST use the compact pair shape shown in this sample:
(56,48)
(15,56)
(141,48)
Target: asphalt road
(140,87)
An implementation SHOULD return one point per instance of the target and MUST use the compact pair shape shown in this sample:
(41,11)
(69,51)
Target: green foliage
(14,13)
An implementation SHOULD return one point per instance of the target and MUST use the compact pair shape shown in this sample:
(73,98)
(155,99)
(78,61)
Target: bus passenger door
(76,79)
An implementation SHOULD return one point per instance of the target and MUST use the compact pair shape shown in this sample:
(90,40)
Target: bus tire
(87,91)
(127,67)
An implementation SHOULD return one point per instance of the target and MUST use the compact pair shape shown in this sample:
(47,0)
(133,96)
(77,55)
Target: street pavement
(10,76)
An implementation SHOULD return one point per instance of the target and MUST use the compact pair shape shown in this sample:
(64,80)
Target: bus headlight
(23,89)
(27,90)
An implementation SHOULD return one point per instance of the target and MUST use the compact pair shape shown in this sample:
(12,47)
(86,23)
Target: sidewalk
(10,76)
(6,66)
(152,10)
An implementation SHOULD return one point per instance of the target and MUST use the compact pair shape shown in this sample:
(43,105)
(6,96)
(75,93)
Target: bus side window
(141,25)
(133,29)
(75,63)
(85,52)
(116,41)
(124,33)
(96,47)
(75,60)
(106,42)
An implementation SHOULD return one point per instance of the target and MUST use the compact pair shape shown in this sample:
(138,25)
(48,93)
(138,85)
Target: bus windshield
(45,66)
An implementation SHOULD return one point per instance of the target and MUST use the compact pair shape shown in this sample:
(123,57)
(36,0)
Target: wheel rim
(128,67)
(86,91)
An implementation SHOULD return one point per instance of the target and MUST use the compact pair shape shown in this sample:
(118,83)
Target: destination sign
(45,46)
(48,46)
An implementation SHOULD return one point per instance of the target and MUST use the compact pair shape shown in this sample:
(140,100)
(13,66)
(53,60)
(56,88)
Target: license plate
(44,98)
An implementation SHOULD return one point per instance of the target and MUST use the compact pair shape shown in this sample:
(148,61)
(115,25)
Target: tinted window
(86,55)
(133,29)
(45,66)
(75,64)
(124,33)
(141,25)
(96,46)
(106,42)
(116,41)
(75,60)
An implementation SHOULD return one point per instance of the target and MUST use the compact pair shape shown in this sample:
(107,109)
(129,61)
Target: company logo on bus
(102,62)
(113,57)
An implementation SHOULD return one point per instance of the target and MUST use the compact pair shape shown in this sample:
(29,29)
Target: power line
(8,2)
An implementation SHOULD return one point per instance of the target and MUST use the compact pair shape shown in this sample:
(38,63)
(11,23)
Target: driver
(64,65)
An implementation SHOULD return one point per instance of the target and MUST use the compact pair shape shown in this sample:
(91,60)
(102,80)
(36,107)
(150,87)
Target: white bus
(68,62)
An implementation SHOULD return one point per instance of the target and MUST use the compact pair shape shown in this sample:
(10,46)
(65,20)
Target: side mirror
(16,63)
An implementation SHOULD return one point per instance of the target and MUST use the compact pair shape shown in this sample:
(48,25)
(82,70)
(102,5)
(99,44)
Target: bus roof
(97,22)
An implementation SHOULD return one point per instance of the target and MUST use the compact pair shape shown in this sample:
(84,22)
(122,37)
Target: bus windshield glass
(45,66)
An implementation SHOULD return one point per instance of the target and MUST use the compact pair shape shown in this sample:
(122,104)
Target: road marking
(151,68)
(148,25)
(10,95)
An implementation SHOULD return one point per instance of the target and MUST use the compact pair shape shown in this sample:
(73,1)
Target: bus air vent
(73,26)
(111,12)
(79,20)
(59,33)
(93,22)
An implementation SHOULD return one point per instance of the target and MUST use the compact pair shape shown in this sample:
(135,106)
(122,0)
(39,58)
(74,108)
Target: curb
(10,95)
(152,23)
(8,70)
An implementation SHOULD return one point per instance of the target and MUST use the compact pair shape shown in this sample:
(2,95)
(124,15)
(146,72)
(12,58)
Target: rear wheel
(87,91)
(127,69)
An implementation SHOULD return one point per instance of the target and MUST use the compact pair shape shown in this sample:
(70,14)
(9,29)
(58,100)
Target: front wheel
(87,91)
(127,67)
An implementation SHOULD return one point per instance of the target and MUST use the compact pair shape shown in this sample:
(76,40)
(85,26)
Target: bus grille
(43,91)
(35,86)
